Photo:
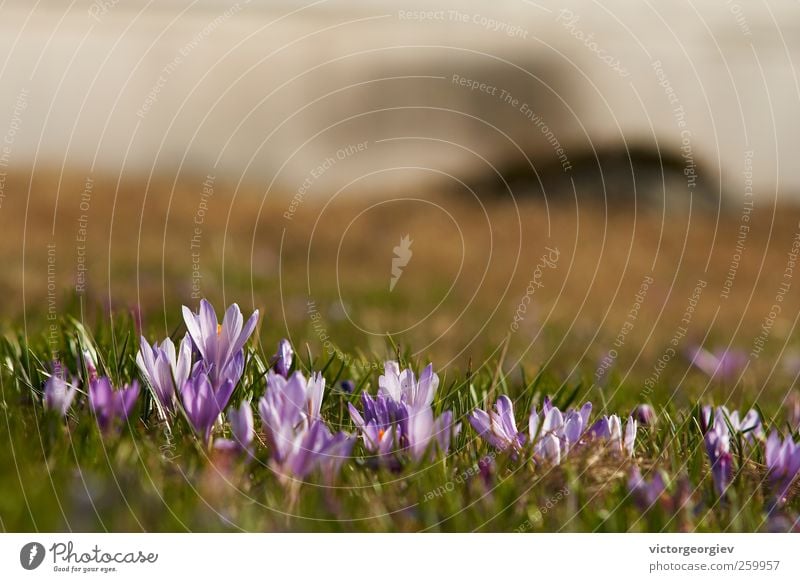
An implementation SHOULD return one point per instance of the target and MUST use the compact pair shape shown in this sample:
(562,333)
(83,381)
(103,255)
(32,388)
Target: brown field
(457,298)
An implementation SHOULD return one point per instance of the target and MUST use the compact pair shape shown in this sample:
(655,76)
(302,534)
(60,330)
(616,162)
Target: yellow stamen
(219,328)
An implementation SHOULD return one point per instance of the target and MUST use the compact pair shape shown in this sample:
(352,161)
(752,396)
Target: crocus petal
(183,361)
(408,386)
(722,471)
(193,328)
(358,420)
(202,404)
(644,414)
(58,395)
(89,361)
(443,430)
(505,412)
(549,448)
(145,358)
(600,429)
(337,451)
(573,428)
(389,381)
(386,441)
(482,424)
(109,404)
(553,422)
(100,400)
(295,394)
(426,387)
(705,418)
(630,436)
(371,435)
(314,390)
(222,396)
(246,331)
(420,430)
(586,411)
(283,358)
(479,420)
(533,425)
(773,447)
(207,319)
(229,333)
(128,398)
(242,425)
(615,428)
(751,424)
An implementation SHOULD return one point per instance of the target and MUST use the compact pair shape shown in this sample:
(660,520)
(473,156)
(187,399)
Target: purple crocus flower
(783,463)
(220,344)
(559,431)
(91,366)
(400,416)
(645,494)
(424,430)
(282,360)
(304,396)
(242,429)
(749,426)
(163,369)
(498,427)
(716,426)
(717,441)
(549,449)
(203,404)
(724,365)
(629,440)
(610,428)
(315,448)
(108,404)
(298,439)
(384,421)
(58,394)
(289,405)
(644,414)
(404,387)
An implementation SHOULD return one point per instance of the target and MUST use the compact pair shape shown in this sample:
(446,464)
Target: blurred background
(553,168)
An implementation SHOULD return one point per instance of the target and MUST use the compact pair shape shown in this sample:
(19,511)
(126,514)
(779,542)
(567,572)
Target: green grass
(63,475)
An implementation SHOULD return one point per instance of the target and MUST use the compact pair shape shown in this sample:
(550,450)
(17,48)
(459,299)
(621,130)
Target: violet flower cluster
(552,434)
(197,378)
(400,419)
(203,371)
(718,427)
(646,492)
(242,430)
(783,464)
(200,376)
(298,437)
(110,406)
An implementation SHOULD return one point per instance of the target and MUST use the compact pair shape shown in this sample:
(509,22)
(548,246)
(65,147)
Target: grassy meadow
(509,297)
